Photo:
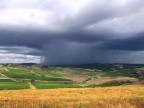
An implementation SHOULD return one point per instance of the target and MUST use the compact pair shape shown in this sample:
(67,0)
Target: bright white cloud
(26,17)
(18,58)
(19,55)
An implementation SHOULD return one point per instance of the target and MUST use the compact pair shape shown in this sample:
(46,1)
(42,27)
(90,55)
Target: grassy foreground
(13,85)
(109,97)
(42,85)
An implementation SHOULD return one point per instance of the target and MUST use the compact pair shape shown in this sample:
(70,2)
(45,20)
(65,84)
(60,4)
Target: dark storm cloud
(135,43)
(39,39)
(71,47)
(66,33)
(20,50)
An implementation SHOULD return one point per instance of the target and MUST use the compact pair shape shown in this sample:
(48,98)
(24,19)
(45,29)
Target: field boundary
(32,87)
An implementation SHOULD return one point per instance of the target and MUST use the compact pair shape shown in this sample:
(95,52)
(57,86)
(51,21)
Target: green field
(46,77)
(27,74)
(13,85)
(6,80)
(1,76)
(50,85)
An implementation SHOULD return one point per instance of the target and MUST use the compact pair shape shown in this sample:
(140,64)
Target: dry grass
(102,80)
(109,97)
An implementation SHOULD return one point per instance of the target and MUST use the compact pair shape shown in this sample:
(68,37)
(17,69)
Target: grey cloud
(63,55)
(74,43)
(99,11)
(19,50)
(73,47)
(135,43)
(38,39)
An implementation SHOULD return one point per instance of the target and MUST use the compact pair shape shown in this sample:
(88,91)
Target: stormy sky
(59,32)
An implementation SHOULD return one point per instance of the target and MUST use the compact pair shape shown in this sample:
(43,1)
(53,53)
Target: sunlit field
(107,97)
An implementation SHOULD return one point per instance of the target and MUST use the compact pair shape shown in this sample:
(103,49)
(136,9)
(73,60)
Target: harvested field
(109,97)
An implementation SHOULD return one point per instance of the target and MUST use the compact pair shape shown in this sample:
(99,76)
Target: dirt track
(32,87)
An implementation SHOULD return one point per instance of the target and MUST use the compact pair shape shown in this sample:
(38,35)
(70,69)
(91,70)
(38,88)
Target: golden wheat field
(108,97)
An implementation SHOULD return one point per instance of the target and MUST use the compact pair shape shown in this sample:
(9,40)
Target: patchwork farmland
(36,86)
